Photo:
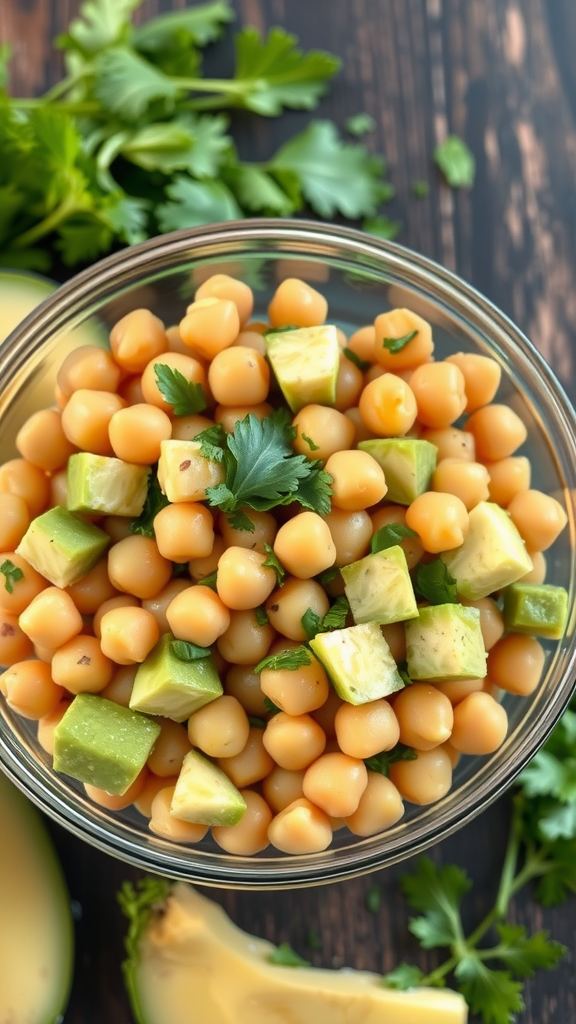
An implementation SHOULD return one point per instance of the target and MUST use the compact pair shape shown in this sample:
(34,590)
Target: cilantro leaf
(188,143)
(212,442)
(328,576)
(287,957)
(311,623)
(201,24)
(209,580)
(261,616)
(292,659)
(127,216)
(403,977)
(258,191)
(335,617)
(101,24)
(83,238)
(156,500)
(273,73)
(362,364)
(271,707)
(456,162)
(493,995)
(326,165)
(11,573)
(373,898)
(5,57)
(273,562)
(186,651)
(383,227)
(313,447)
(193,203)
(437,892)
(256,723)
(381,762)
(126,83)
(420,189)
(314,491)
(435,584)
(360,124)
(559,822)
(185,396)
(523,954)
(395,345)
(389,536)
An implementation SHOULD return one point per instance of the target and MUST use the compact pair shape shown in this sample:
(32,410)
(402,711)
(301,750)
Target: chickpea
(14,520)
(30,690)
(48,723)
(351,533)
(152,786)
(184,530)
(380,807)
(286,606)
(21,479)
(468,480)
(250,835)
(507,477)
(136,566)
(539,568)
(480,724)
(295,302)
(491,620)
(136,339)
(439,392)
(538,517)
(244,684)
(335,782)
(131,390)
(349,384)
(167,825)
(325,715)
(200,568)
(128,634)
(321,431)
(88,366)
(388,406)
(498,431)
(296,690)
(81,666)
(516,664)
(94,588)
(86,420)
(399,323)
(117,527)
(357,480)
(14,644)
(300,828)
(121,601)
(229,415)
(395,636)
(119,689)
(451,443)
(424,780)
(170,749)
(211,324)
(24,589)
(51,618)
(190,368)
(263,533)
(159,604)
(118,803)
(252,764)
(239,376)
(186,428)
(245,642)
(456,689)
(304,545)
(137,432)
(294,741)
(220,728)
(42,441)
(281,787)
(361,432)
(481,377)
(221,286)
(251,339)
(363,343)
(243,581)
(424,715)
(411,546)
(366,729)
(440,520)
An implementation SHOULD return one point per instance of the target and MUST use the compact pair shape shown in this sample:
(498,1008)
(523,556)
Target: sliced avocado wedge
(204,794)
(492,556)
(379,588)
(538,609)
(305,361)
(408,464)
(97,483)
(445,642)
(359,662)
(61,546)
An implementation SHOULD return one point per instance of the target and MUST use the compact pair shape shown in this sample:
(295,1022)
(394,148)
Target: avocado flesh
(97,483)
(492,556)
(408,464)
(184,474)
(102,743)
(359,662)
(168,686)
(194,965)
(305,361)
(204,794)
(20,293)
(37,935)
(445,642)
(379,588)
(538,609)
(62,547)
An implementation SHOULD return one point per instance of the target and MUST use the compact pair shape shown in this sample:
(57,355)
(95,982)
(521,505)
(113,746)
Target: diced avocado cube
(408,464)
(184,474)
(492,556)
(103,743)
(445,642)
(379,588)
(306,362)
(359,662)
(169,686)
(536,608)
(61,546)
(97,483)
(204,793)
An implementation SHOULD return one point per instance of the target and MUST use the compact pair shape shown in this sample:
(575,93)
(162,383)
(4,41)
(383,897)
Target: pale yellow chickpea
(400,323)
(251,339)
(119,689)
(170,748)
(250,835)
(538,517)
(14,520)
(246,641)
(457,689)
(424,715)
(48,723)
(439,392)
(120,601)
(88,366)
(94,588)
(221,286)
(296,691)
(159,604)
(239,376)
(51,618)
(387,406)
(131,390)
(20,478)
(136,566)
(220,728)
(59,489)
(189,367)
(82,666)
(163,823)
(229,415)
(14,644)
(243,581)
(175,343)
(281,787)
(325,715)
(252,764)
(451,443)
(301,827)
(127,635)
(117,527)
(361,432)
(480,724)
(498,431)
(152,786)
(304,545)
(42,441)
(351,533)
(357,480)
(469,481)
(295,302)
(366,729)
(286,606)
(335,782)
(363,343)
(440,520)
(424,780)
(24,590)
(136,339)
(321,431)
(516,664)
(491,620)
(210,325)
(294,741)
(86,420)
(264,531)
(380,807)
(481,377)
(186,428)
(30,690)
(395,636)
(349,384)
(244,684)
(137,432)
(411,546)
(539,568)
(184,530)
(200,568)
(507,477)
(118,803)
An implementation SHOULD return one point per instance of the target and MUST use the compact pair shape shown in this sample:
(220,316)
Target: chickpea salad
(269,580)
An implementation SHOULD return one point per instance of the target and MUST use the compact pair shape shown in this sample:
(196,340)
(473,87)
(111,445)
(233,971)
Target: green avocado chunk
(379,588)
(492,556)
(204,793)
(408,464)
(97,483)
(445,642)
(536,608)
(172,687)
(103,743)
(359,662)
(305,361)
(61,546)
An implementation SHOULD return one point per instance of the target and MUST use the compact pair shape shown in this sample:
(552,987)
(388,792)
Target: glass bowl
(360,277)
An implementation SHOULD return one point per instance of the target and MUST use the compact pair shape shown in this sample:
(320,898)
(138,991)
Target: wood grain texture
(501,73)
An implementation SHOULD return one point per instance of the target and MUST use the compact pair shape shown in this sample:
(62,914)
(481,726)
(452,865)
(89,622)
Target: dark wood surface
(501,74)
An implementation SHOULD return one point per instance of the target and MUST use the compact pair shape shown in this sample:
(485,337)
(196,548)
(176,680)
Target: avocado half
(36,935)
(19,293)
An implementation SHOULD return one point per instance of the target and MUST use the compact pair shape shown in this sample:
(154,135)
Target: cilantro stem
(62,87)
(44,227)
(213,85)
(71,107)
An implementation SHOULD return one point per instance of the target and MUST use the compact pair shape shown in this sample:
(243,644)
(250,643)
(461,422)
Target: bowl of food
(287,554)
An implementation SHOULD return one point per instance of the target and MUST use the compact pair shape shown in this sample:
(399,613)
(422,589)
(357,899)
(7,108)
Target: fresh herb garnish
(261,617)
(328,576)
(279,330)
(373,898)
(185,396)
(273,562)
(383,227)
(362,364)
(395,345)
(292,659)
(420,189)
(257,723)
(156,500)
(287,957)
(381,762)
(271,707)
(209,580)
(11,573)
(434,582)
(335,618)
(313,447)
(186,651)
(360,124)
(456,162)
(389,536)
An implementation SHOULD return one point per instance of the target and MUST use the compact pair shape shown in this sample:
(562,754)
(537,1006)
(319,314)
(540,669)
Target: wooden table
(501,74)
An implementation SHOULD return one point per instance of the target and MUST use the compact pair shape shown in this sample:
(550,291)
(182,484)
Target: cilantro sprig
(185,396)
(434,582)
(11,573)
(335,618)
